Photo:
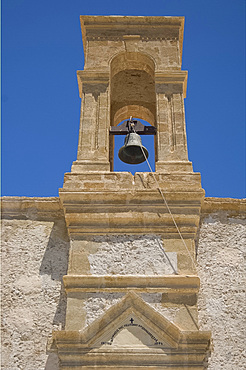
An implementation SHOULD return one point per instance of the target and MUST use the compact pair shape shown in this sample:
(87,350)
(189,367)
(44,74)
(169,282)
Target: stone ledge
(91,77)
(188,284)
(125,181)
(50,207)
(101,367)
(172,77)
(25,208)
(211,205)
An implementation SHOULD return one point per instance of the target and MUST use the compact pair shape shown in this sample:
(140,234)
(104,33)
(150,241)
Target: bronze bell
(132,152)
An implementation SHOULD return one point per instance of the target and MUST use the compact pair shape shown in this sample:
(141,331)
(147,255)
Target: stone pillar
(172,154)
(93,146)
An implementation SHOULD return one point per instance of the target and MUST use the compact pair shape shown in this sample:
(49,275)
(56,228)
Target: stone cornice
(188,284)
(50,207)
(210,205)
(157,27)
(92,78)
(119,203)
(172,77)
(25,208)
(102,77)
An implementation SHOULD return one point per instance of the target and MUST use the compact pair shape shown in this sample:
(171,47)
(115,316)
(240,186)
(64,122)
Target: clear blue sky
(41,52)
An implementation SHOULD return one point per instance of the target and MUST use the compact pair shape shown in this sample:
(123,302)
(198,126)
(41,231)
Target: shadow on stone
(52,362)
(55,259)
(54,265)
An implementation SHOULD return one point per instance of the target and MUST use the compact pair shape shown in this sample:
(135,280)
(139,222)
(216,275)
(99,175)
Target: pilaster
(93,146)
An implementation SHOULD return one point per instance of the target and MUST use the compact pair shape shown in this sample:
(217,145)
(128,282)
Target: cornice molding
(25,208)
(51,207)
(161,77)
(93,78)
(184,284)
(158,27)
(211,205)
(103,202)
(172,77)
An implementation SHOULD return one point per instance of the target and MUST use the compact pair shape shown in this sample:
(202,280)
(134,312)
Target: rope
(169,210)
(164,199)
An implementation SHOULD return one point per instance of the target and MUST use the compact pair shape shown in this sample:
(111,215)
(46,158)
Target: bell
(132,152)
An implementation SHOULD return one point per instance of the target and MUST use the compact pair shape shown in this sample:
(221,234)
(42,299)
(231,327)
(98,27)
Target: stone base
(173,166)
(118,202)
(90,166)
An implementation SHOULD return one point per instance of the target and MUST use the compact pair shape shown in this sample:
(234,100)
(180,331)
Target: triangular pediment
(132,322)
(131,333)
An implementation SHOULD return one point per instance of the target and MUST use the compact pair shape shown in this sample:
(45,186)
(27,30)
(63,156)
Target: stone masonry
(35,257)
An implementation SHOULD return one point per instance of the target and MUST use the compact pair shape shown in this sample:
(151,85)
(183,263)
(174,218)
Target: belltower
(131,283)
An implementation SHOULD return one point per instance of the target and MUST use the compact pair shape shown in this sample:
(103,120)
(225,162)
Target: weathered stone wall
(221,268)
(131,255)
(34,259)
(35,256)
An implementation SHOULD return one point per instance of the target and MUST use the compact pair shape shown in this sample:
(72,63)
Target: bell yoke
(133,152)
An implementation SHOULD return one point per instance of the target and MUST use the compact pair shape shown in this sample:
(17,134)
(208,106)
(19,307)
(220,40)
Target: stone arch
(132,87)
(132,90)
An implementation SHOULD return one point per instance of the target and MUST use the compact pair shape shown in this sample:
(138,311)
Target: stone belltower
(131,283)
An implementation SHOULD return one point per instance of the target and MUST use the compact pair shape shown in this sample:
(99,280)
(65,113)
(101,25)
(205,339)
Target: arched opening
(132,93)
(147,142)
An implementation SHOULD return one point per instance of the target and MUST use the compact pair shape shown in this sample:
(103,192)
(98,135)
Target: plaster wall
(35,257)
(121,255)
(221,302)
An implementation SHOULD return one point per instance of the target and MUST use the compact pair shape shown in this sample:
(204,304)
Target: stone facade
(221,265)
(35,248)
(35,257)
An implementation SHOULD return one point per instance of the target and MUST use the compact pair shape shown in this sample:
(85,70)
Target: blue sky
(41,52)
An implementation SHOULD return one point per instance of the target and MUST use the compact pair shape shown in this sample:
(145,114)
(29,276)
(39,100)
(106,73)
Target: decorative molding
(101,203)
(93,78)
(149,28)
(25,208)
(183,284)
(51,208)
(172,77)
(121,38)
(211,205)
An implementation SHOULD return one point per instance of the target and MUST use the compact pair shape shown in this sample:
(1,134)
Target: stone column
(171,146)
